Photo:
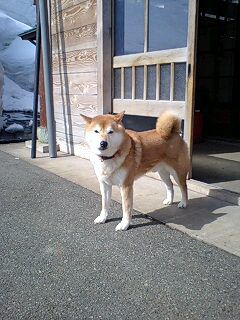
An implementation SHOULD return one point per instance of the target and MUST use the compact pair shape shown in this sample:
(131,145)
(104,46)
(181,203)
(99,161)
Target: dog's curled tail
(167,124)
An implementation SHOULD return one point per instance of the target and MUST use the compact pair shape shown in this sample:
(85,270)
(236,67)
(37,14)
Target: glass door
(151,56)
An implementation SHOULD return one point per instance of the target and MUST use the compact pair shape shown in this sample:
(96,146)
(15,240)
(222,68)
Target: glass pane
(129,26)
(128,83)
(168,23)
(117,83)
(179,81)
(151,82)
(139,82)
(165,76)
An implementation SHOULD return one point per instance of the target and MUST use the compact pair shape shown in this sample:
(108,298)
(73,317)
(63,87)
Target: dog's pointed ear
(119,116)
(86,119)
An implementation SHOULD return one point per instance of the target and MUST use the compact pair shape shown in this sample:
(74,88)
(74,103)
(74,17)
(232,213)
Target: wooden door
(154,50)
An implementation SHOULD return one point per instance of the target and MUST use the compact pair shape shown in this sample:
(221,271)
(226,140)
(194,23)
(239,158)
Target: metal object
(47,68)
(36,85)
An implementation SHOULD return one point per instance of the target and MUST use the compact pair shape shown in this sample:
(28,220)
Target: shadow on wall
(63,73)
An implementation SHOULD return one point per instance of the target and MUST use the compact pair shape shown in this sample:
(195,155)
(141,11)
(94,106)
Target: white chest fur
(109,171)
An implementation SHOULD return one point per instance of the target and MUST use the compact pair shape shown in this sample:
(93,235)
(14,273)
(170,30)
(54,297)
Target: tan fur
(136,153)
(168,124)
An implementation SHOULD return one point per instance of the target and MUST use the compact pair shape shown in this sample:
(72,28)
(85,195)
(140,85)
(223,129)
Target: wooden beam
(84,37)
(104,54)
(146,9)
(82,14)
(122,83)
(64,4)
(75,61)
(149,108)
(133,83)
(75,83)
(172,82)
(191,74)
(145,80)
(156,57)
(157,82)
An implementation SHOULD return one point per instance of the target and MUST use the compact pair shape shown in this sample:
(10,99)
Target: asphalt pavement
(56,264)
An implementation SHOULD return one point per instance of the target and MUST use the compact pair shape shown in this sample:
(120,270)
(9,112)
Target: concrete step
(208,190)
(214,191)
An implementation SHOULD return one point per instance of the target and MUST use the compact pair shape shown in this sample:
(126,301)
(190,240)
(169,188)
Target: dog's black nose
(103,144)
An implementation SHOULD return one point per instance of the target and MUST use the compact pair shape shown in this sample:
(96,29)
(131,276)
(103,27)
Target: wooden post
(191,74)
(104,55)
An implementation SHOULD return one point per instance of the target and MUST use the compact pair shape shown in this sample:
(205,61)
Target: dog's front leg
(127,206)
(106,192)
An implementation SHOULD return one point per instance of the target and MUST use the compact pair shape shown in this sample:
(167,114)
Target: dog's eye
(110,132)
(96,131)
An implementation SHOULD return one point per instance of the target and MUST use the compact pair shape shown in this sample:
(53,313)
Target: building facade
(141,56)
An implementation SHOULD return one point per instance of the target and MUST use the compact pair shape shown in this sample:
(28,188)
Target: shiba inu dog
(120,156)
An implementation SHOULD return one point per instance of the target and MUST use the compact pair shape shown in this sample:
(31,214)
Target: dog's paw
(100,219)
(167,202)
(122,226)
(182,205)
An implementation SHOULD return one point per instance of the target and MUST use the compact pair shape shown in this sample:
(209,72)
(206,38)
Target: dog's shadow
(150,221)
(200,212)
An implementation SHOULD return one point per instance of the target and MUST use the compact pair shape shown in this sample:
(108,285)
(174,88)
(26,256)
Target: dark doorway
(218,76)
(217,116)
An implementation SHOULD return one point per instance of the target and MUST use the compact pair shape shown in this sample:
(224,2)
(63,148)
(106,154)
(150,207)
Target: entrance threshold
(208,190)
(216,163)
(214,191)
